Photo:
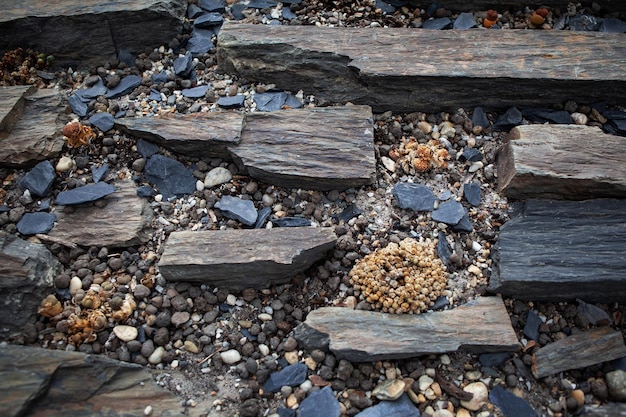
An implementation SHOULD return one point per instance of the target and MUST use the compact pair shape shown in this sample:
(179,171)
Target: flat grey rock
(320,403)
(103,121)
(170,177)
(38,181)
(246,258)
(38,222)
(416,197)
(12,104)
(402,407)
(449,212)
(85,194)
(196,92)
(126,85)
(480,326)
(292,376)
(238,209)
(471,193)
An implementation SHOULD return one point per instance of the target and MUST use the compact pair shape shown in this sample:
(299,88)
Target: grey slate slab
(39,180)
(84,194)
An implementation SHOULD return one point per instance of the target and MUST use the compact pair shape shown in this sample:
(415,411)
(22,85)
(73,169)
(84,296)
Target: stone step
(12,105)
(247,258)
(480,326)
(407,69)
(302,148)
(473,5)
(562,250)
(89,32)
(562,162)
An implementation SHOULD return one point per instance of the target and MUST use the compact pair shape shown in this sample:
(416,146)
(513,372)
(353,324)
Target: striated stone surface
(479,326)
(308,148)
(124,221)
(41,382)
(562,162)
(12,104)
(238,259)
(90,31)
(27,272)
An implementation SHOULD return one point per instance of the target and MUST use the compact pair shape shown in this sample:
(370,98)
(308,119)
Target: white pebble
(580,118)
(231,356)
(481,394)
(445,359)
(475,166)
(75,285)
(157,355)
(264,349)
(147,411)
(199,185)
(231,299)
(265,317)
(65,164)
(424,382)
(217,176)
(476,246)
(125,333)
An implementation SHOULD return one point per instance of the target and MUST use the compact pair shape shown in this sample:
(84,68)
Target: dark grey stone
(288,14)
(238,209)
(291,222)
(464,225)
(348,213)
(147,149)
(320,403)
(510,404)
(285,412)
(126,85)
(169,176)
(584,22)
(208,20)
(402,407)
(275,101)
(196,92)
(194,11)
(443,249)
(237,10)
(103,121)
(437,23)
(471,155)
(145,191)
(416,197)
(471,192)
(125,56)
(33,223)
(231,102)
(213,5)
(464,21)
(262,217)
(385,7)
(201,41)
(595,315)
(479,118)
(88,94)
(440,303)
(531,329)
(183,65)
(494,359)
(39,179)
(84,194)
(292,375)
(612,25)
(78,106)
(511,118)
(154,95)
(99,173)
(551,116)
(159,78)
(449,212)
(261,4)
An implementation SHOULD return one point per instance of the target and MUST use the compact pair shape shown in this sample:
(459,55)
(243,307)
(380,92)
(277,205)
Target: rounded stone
(179,318)
(75,285)
(191,346)
(230,357)
(65,164)
(125,333)
(480,395)
(389,389)
(217,176)
(157,355)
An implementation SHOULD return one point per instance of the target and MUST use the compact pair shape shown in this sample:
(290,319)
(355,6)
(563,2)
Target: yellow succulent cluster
(401,278)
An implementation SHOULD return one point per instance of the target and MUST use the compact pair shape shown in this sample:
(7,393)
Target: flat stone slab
(196,134)
(449,69)
(606,410)
(12,104)
(35,134)
(583,349)
(248,258)
(480,326)
(39,382)
(124,221)
(562,250)
(324,148)
(89,32)
(562,162)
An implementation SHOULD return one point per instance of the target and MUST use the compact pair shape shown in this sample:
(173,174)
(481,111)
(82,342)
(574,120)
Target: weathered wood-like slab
(562,162)
(328,148)
(606,410)
(482,325)
(38,382)
(12,104)
(238,259)
(89,31)
(473,5)
(408,69)
(124,221)
(582,349)
(563,250)
(196,134)
(36,134)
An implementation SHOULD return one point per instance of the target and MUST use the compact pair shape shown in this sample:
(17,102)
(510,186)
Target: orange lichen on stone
(401,278)
(413,157)
(77,135)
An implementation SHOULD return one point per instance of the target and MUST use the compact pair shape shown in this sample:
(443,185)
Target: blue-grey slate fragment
(38,181)
(201,41)
(145,191)
(213,5)
(291,222)
(416,197)
(285,412)
(510,404)
(103,121)
(464,21)
(385,7)
(208,20)
(449,212)
(595,315)
(237,10)
(612,25)
(551,116)
(238,209)
(443,249)
(159,77)
(440,303)
(471,192)
(99,173)
(348,213)
(231,102)
(195,92)
(438,23)
(275,101)
(494,359)
(183,65)
(402,407)
(84,194)
(154,95)
(531,329)
(261,4)
(88,94)
(33,223)
(288,14)
(169,176)
(126,85)
(479,118)
(321,403)
(146,149)
(464,225)
(471,155)
(262,217)
(194,11)
(78,106)
(125,56)
(511,118)
(292,375)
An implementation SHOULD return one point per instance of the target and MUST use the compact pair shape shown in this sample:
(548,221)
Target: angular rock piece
(126,85)
(510,404)
(562,250)
(41,382)
(33,223)
(578,351)
(238,209)
(292,375)
(344,64)
(309,148)
(171,177)
(320,403)
(238,259)
(103,121)
(89,32)
(482,325)
(124,221)
(38,181)
(36,134)
(197,134)
(12,104)
(84,194)
(562,162)
(27,272)
(401,407)
(449,212)
(416,197)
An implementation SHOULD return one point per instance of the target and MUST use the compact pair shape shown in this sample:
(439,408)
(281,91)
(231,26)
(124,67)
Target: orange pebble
(536,19)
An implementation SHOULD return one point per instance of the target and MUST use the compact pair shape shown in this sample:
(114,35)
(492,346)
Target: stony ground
(257,324)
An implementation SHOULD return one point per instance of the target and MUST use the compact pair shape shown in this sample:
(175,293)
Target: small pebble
(230,357)
(125,333)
